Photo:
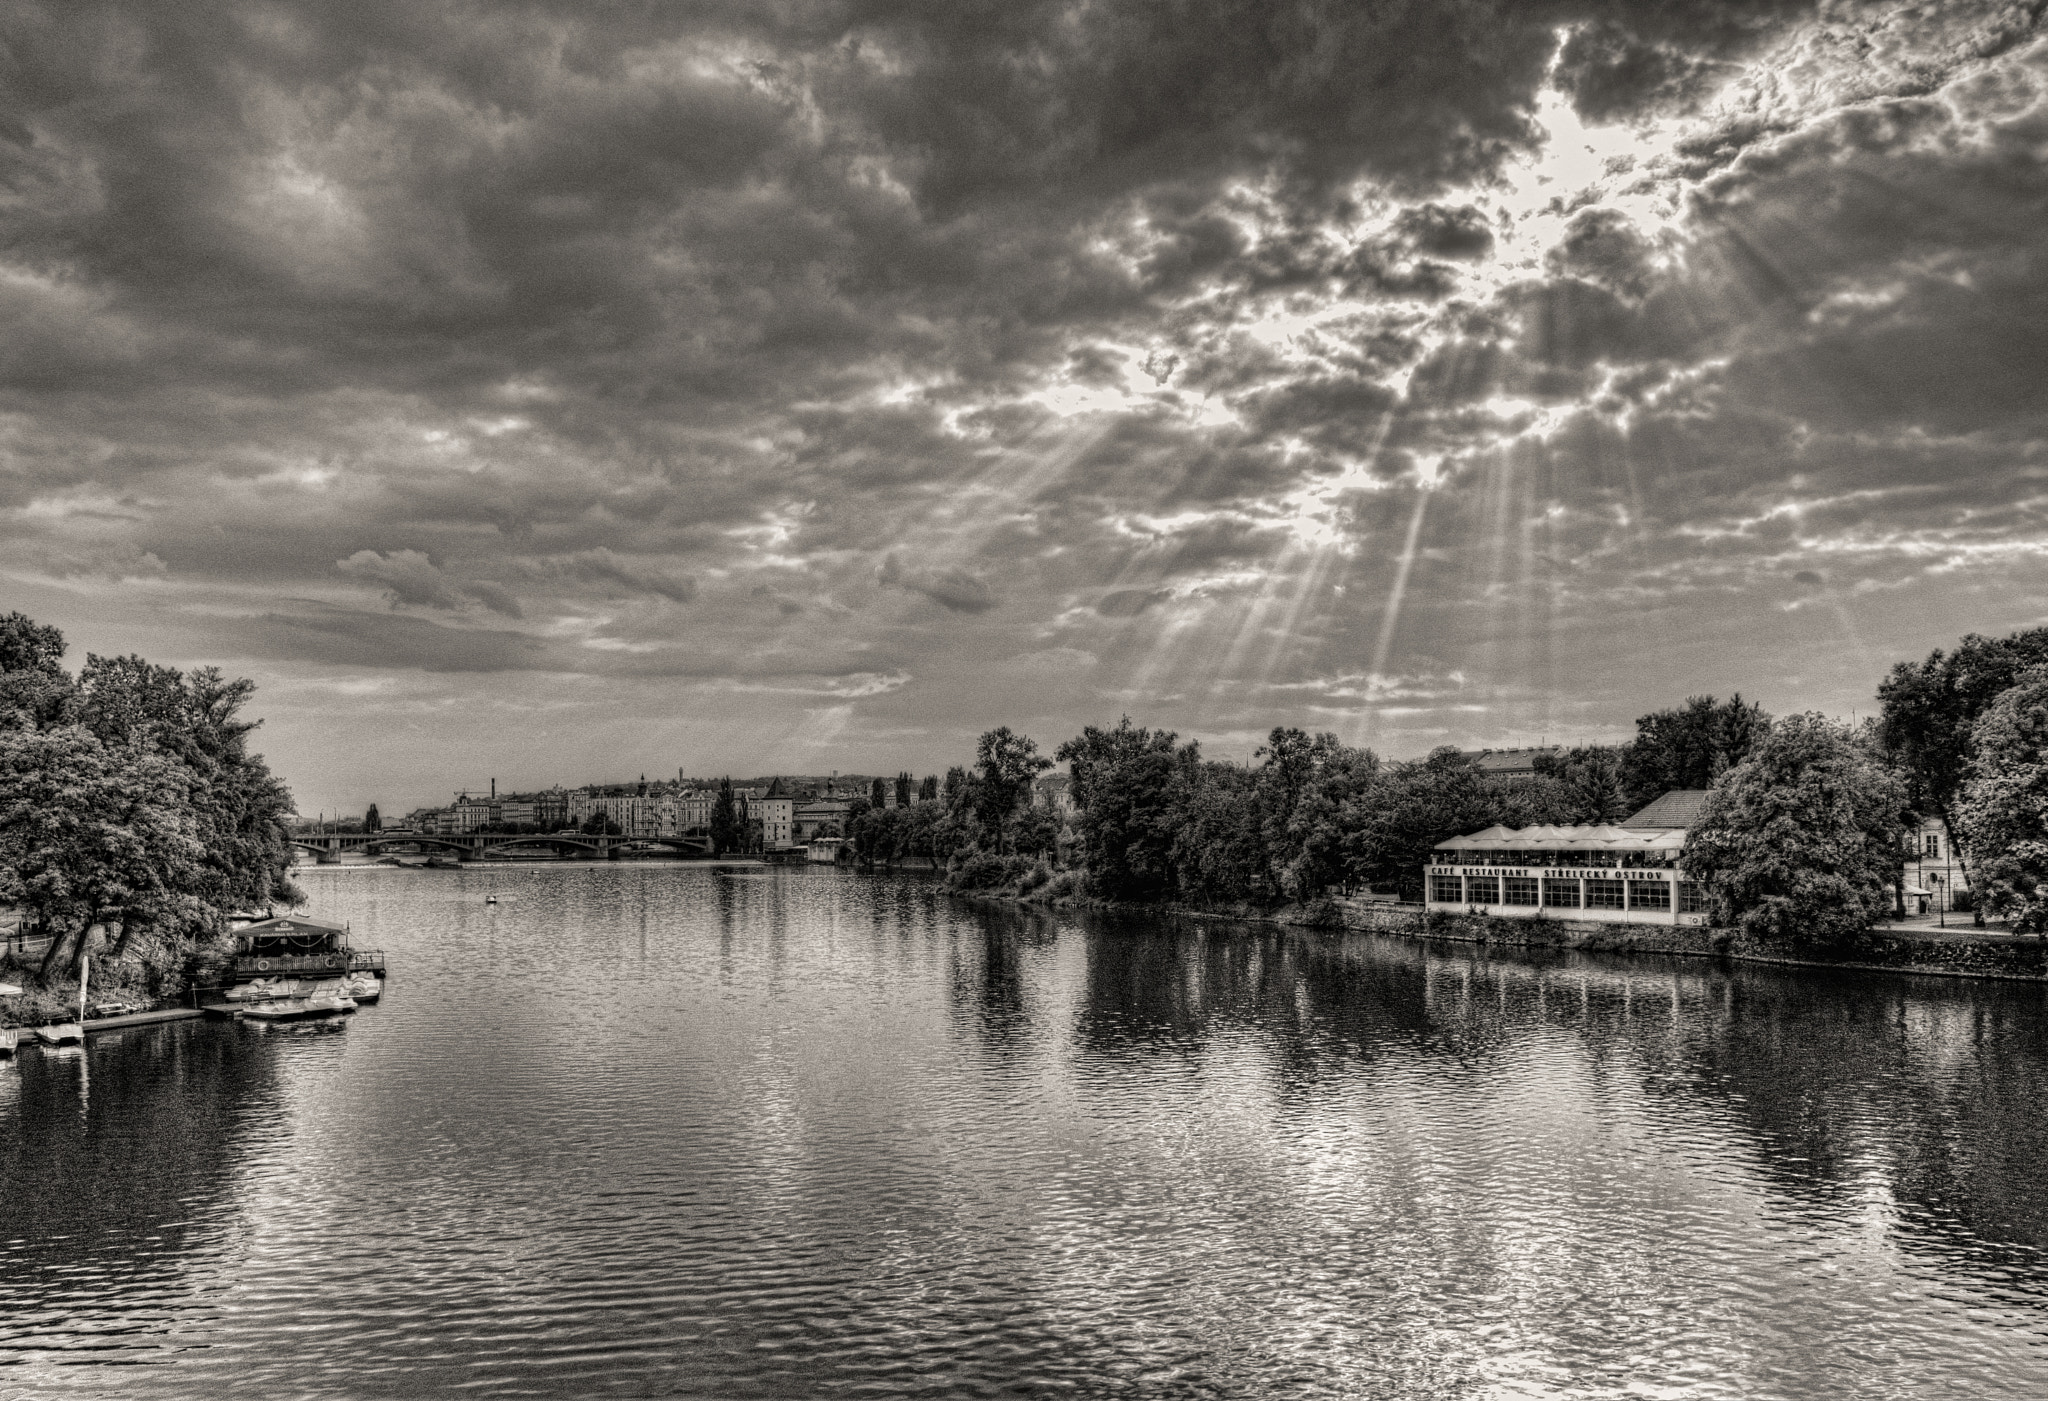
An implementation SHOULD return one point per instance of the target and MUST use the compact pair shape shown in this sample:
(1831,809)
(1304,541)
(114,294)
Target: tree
(928,791)
(1391,828)
(1006,765)
(1217,852)
(902,791)
(92,832)
(1690,746)
(1928,712)
(728,826)
(878,794)
(2003,809)
(1300,789)
(373,823)
(1802,840)
(1034,832)
(34,691)
(1125,782)
(1591,781)
(26,645)
(164,818)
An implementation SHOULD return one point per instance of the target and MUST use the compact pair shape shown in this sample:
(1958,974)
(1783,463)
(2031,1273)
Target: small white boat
(362,986)
(9,1038)
(490,899)
(292,1008)
(62,1034)
(262,989)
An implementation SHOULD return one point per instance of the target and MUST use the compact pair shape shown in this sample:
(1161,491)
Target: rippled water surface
(649,1129)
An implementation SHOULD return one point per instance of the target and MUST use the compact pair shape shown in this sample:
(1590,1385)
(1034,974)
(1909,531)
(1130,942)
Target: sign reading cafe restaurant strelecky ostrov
(1620,874)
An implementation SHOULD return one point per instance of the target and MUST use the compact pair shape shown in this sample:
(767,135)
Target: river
(646,1128)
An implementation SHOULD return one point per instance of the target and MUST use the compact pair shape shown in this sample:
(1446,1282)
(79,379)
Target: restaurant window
(1649,895)
(1560,894)
(1520,890)
(1446,889)
(1692,897)
(1482,890)
(1606,895)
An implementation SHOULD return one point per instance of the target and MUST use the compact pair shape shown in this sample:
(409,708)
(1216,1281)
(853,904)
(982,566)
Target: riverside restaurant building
(1622,874)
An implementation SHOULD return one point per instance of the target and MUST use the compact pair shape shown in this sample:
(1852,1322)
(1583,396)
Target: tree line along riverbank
(1800,842)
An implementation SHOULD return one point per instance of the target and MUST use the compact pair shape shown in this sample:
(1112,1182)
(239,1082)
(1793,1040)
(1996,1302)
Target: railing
(279,964)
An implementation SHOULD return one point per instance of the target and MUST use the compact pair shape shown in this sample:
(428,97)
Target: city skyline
(587,390)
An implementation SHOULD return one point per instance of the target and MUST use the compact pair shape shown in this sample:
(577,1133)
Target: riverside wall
(1965,957)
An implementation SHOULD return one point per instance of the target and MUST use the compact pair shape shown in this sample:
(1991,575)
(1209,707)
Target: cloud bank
(517,393)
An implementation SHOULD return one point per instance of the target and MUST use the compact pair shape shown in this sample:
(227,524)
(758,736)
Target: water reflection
(652,1129)
(987,972)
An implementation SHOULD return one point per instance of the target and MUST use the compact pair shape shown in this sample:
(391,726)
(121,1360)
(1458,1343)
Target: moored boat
(362,986)
(293,1008)
(61,1034)
(9,1039)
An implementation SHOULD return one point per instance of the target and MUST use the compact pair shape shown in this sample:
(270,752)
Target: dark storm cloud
(413,578)
(615,576)
(950,588)
(642,334)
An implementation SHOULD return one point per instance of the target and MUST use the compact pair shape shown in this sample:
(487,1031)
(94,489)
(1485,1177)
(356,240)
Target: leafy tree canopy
(136,802)
(1005,766)
(1804,838)
(1690,746)
(26,645)
(1125,782)
(2003,809)
(1928,710)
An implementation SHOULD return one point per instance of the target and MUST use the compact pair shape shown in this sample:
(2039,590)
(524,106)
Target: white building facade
(1936,881)
(1585,872)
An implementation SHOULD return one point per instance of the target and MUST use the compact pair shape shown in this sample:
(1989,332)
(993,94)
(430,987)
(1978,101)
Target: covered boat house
(295,946)
(1626,873)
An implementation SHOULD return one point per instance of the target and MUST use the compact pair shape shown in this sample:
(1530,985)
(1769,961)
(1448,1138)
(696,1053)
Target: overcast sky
(564,391)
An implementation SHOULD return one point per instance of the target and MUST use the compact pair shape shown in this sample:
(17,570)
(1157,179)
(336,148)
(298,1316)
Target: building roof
(1582,836)
(293,924)
(1678,808)
(1510,761)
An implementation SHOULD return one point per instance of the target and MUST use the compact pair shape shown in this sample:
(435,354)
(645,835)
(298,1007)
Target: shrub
(1323,913)
(974,869)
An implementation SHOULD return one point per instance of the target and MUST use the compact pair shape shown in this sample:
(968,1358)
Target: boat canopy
(1578,837)
(291,931)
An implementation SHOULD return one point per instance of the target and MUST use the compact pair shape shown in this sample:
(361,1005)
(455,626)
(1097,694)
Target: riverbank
(1950,954)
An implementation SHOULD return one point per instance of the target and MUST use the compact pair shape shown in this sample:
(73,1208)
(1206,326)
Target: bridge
(328,846)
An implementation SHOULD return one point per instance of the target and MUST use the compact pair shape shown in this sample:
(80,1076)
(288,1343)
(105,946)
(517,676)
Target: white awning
(1579,837)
